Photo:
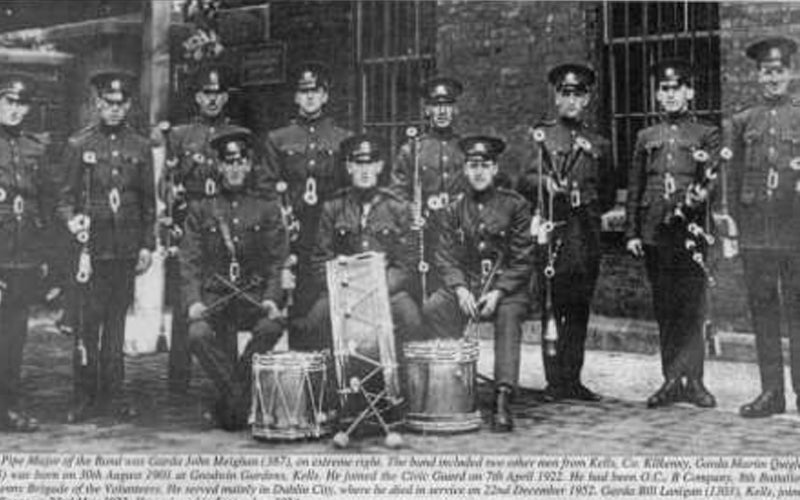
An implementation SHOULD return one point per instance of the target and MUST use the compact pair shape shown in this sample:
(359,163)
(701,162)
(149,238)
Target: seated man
(363,218)
(484,258)
(230,260)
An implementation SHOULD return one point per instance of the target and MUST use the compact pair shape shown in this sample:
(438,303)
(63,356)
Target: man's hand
(196,311)
(488,303)
(145,259)
(466,301)
(634,246)
(271,309)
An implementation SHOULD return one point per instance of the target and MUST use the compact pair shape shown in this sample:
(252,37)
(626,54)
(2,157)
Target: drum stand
(363,342)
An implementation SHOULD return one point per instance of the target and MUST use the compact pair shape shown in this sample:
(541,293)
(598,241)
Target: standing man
(765,191)
(25,207)
(437,159)
(484,257)
(108,203)
(577,186)
(364,218)
(304,157)
(231,257)
(192,175)
(669,160)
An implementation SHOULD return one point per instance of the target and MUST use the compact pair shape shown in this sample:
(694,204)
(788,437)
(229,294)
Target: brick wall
(502,51)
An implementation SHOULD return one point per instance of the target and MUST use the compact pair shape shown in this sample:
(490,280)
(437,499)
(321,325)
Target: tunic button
(365,244)
(674,127)
(234,204)
(444,158)
(669,156)
(312,145)
(445,175)
(236,239)
(311,163)
(480,206)
(481,246)
(235,220)
(115,171)
(772,131)
(773,112)
(113,137)
(115,153)
(312,129)
(672,141)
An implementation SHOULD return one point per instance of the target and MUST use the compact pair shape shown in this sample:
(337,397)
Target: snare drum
(441,385)
(289,396)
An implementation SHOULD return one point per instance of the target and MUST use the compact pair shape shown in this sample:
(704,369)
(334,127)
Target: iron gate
(395,53)
(636,35)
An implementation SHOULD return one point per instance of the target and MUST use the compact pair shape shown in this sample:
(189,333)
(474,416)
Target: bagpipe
(693,214)
(696,218)
(543,225)
(416,209)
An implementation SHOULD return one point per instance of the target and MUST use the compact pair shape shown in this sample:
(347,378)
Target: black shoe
(697,394)
(667,394)
(552,393)
(580,392)
(501,416)
(767,403)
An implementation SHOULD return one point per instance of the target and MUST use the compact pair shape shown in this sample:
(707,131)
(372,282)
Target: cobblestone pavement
(619,425)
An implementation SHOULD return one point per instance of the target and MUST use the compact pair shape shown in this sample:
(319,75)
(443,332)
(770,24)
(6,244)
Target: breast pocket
(212,241)
(295,158)
(753,141)
(343,238)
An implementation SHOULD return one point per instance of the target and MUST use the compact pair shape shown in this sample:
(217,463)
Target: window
(636,35)
(395,54)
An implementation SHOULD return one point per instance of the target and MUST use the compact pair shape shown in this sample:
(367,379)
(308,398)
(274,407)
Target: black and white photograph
(401,228)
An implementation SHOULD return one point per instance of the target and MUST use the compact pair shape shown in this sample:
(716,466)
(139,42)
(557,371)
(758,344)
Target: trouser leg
(761,279)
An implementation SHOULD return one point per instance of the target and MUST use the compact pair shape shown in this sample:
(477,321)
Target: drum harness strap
(234,269)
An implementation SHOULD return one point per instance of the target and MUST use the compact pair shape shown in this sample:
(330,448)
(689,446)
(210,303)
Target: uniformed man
(484,257)
(191,176)
(439,160)
(765,191)
(669,160)
(108,203)
(25,205)
(572,163)
(231,256)
(364,217)
(304,158)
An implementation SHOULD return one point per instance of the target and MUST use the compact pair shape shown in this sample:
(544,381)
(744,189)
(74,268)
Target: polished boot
(667,394)
(501,416)
(767,403)
(697,394)
(580,392)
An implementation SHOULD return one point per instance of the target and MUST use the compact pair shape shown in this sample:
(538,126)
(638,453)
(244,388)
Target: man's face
(480,172)
(12,111)
(441,115)
(364,175)
(774,79)
(235,171)
(113,108)
(211,104)
(674,97)
(311,101)
(571,103)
